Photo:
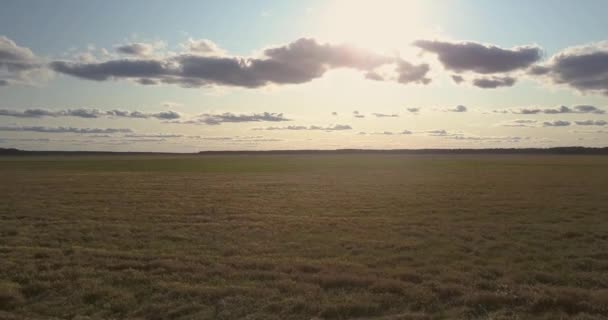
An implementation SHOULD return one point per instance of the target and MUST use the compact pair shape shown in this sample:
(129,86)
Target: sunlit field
(304,236)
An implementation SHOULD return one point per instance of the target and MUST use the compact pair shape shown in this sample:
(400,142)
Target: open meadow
(304,236)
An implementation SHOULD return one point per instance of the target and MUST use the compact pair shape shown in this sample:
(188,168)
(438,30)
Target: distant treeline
(557,150)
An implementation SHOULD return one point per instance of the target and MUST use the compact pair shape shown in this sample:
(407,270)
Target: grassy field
(303,237)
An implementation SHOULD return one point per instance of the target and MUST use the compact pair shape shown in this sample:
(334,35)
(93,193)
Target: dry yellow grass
(297,237)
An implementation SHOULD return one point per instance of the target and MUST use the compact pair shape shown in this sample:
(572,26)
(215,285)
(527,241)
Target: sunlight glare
(380,24)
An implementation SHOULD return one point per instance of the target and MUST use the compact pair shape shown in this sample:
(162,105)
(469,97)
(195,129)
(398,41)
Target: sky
(190,76)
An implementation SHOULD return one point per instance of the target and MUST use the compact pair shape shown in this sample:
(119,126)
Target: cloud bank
(64,129)
(298,62)
(228,117)
(88,113)
(17,64)
(337,127)
(480,58)
(557,110)
(583,68)
(556,123)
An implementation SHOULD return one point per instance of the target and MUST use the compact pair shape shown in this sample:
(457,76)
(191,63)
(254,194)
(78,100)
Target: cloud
(356,114)
(64,129)
(147,82)
(373,75)
(137,49)
(122,68)
(413,110)
(409,73)
(525,123)
(154,135)
(494,82)
(437,133)
(463,136)
(457,78)
(591,123)
(513,139)
(588,109)
(385,133)
(203,47)
(556,123)
(298,62)
(337,127)
(17,64)
(557,110)
(583,68)
(458,108)
(334,113)
(88,113)
(171,104)
(590,131)
(163,115)
(384,115)
(228,117)
(480,58)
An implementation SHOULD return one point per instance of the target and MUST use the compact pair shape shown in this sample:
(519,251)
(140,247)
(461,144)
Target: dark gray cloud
(136,49)
(458,108)
(561,109)
(88,113)
(385,115)
(228,117)
(163,115)
(17,64)
(583,68)
(409,73)
(588,109)
(480,58)
(413,110)
(591,123)
(556,123)
(337,127)
(147,82)
(64,129)
(494,82)
(457,78)
(122,68)
(298,62)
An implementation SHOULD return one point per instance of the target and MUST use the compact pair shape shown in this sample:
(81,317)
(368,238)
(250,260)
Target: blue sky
(224,113)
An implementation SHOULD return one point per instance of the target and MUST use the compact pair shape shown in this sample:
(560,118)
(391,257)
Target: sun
(379,24)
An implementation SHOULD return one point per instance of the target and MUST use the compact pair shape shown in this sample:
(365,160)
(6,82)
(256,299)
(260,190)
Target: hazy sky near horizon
(229,75)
